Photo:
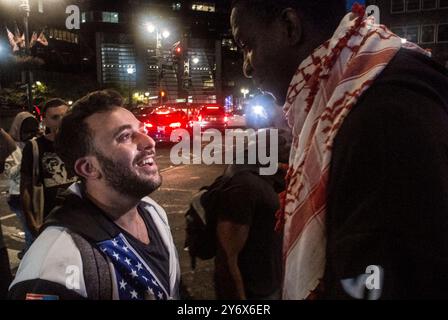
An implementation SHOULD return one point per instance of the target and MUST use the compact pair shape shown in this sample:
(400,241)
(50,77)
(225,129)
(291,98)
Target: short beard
(125,181)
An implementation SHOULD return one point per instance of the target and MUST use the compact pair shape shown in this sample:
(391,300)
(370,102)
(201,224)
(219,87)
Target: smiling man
(109,240)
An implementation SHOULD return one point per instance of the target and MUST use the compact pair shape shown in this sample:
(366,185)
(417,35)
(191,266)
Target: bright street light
(150,27)
(195,60)
(130,70)
(165,34)
(244,91)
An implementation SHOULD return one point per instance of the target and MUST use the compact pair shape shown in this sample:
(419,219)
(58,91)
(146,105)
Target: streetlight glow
(130,70)
(165,34)
(150,27)
(195,60)
(244,91)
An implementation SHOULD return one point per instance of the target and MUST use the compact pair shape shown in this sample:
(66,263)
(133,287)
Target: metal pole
(25,6)
(129,90)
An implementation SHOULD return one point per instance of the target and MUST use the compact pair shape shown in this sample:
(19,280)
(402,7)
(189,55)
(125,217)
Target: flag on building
(12,41)
(33,39)
(42,39)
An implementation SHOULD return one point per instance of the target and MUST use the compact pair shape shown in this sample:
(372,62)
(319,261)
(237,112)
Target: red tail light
(175,125)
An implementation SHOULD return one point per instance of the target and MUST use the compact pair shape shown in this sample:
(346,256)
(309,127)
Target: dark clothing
(81,217)
(250,199)
(388,184)
(53,174)
(155,253)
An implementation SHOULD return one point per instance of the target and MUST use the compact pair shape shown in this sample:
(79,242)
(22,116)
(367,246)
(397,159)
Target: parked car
(236,119)
(211,116)
(160,122)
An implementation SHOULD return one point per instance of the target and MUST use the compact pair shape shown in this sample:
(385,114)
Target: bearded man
(108,240)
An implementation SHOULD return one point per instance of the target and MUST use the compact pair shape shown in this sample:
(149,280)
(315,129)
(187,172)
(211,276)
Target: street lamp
(25,7)
(165,34)
(160,34)
(195,60)
(244,91)
(130,71)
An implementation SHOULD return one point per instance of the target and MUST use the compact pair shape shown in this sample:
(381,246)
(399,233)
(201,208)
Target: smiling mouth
(149,161)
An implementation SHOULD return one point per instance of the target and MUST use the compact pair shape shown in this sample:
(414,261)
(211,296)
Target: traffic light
(162,96)
(176,52)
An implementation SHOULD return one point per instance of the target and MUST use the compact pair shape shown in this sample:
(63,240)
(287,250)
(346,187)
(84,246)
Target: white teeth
(149,161)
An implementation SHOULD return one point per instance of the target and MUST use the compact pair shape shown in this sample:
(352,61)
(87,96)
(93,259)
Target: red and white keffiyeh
(324,89)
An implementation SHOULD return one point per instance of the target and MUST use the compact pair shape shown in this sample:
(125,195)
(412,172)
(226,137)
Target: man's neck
(114,204)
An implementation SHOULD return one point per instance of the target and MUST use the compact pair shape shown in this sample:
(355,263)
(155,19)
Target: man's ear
(293,25)
(86,167)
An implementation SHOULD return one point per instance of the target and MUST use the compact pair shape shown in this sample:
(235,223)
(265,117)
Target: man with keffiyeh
(366,209)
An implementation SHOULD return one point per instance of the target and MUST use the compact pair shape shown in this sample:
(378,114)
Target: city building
(424,22)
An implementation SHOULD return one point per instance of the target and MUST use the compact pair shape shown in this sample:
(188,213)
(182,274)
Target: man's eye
(124,137)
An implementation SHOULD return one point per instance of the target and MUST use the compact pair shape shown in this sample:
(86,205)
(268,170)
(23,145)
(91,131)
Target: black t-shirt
(155,253)
(53,174)
(250,199)
(388,185)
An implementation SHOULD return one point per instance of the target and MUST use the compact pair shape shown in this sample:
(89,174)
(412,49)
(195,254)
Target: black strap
(97,276)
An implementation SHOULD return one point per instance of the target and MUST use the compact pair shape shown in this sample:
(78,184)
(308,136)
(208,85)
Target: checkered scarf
(322,92)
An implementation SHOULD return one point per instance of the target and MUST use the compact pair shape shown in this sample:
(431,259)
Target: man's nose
(145,142)
(247,67)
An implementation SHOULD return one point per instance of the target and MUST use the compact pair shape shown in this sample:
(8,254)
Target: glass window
(399,31)
(206,7)
(412,34)
(442,34)
(429,4)
(397,6)
(111,17)
(428,34)
(412,5)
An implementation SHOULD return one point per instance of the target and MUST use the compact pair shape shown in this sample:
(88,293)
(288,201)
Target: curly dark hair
(74,138)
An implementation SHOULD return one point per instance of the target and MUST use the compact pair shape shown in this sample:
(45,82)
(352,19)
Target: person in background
(24,127)
(52,173)
(7,146)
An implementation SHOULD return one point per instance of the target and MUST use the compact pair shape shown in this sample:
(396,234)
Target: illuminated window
(111,17)
(205,7)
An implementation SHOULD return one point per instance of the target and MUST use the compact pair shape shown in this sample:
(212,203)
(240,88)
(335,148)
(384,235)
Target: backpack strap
(97,275)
